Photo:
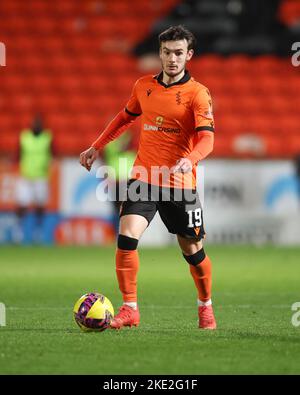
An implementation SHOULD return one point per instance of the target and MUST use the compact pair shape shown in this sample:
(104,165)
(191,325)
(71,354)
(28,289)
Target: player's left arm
(204,141)
(203,147)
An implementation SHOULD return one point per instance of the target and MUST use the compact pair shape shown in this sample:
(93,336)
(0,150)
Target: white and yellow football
(93,312)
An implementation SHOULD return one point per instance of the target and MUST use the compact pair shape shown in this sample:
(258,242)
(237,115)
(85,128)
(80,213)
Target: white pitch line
(219,307)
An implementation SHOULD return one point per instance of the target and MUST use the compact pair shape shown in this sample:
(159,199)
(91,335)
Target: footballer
(177,132)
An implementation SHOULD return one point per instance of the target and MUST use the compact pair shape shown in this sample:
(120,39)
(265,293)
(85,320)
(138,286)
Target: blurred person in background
(32,190)
(119,155)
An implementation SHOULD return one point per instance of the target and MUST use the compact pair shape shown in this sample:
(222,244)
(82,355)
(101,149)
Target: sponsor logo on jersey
(155,128)
(159,121)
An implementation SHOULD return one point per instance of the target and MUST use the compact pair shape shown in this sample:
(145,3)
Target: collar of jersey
(183,80)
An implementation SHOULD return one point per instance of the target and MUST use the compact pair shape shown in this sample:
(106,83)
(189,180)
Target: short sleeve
(203,113)
(133,106)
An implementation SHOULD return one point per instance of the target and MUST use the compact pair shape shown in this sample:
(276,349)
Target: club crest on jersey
(159,121)
(181,101)
(149,91)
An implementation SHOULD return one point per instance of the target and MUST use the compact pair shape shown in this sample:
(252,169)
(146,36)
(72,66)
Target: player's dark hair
(175,33)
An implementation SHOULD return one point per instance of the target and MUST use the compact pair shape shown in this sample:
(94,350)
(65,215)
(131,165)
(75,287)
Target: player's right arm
(114,129)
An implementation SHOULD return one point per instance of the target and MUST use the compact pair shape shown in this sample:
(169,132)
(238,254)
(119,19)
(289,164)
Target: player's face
(174,55)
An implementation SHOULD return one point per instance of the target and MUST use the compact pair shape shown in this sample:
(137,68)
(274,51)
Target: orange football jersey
(172,115)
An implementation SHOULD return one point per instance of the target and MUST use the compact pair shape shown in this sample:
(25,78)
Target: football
(93,312)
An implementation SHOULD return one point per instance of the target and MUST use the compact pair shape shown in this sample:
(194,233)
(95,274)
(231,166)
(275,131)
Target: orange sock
(127,266)
(202,277)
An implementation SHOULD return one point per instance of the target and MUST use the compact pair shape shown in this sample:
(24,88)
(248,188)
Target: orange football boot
(206,317)
(127,316)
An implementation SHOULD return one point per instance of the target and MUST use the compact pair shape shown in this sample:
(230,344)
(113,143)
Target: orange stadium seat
(289,11)
(249,105)
(240,84)
(9,8)
(224,104)
(68,144)
(96,84)
(101,26)
(18,24)
(9,142)
(24,44)
(51,102)
(274,147)
(280,105)
(267,64)
(292,145)
(41,83)
(289,125)
(237,65)
(37,8)
(262,124)
(118,7)
(65,8)
(270,83)
(208,64)
(6,123)
(223,147)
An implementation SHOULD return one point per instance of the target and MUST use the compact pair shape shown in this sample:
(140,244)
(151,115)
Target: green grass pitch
(253,291)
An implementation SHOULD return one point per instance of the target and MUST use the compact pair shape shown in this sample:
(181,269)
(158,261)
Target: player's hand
(88,157)
(183,165)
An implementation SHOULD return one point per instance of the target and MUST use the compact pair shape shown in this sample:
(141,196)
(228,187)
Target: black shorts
(180,209)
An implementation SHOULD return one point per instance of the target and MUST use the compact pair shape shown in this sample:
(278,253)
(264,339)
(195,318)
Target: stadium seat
(289,12)
(9,142)
(267,64)
(237,65)
(292,145)
(274,147)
